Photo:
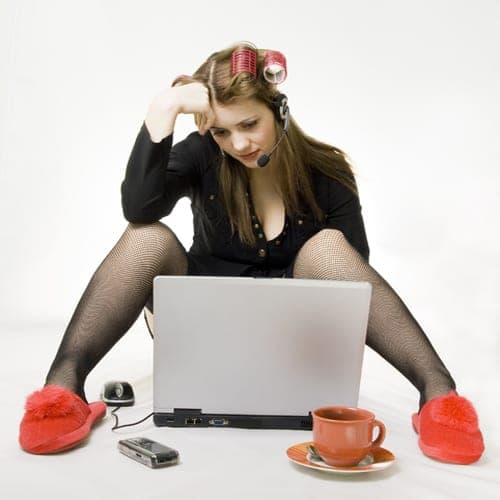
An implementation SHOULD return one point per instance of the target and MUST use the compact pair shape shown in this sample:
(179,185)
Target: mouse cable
(116,426)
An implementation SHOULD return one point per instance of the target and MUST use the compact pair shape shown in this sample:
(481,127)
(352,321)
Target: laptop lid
(250,352)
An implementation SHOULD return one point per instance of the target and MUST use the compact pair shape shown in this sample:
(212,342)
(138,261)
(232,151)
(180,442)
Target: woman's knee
(159,237)
(321,251)
(154,231)
(330,240)
(332,236)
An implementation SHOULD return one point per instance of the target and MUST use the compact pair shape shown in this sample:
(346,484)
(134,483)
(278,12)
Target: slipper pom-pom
(454,411)
(54,401)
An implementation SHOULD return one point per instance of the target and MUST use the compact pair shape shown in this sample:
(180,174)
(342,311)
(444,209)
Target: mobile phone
(148,452)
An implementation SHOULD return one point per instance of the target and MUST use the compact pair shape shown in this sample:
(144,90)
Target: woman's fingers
(210,118)
(197,120)
(194,98)
(205,121)
(201,123)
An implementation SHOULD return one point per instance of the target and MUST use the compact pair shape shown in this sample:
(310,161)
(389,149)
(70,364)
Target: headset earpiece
(282,114)
(281,110)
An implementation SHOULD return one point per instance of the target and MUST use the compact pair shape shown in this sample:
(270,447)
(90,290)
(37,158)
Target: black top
(159,174)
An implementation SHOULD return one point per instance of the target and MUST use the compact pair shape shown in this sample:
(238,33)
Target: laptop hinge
(187,411)
(188,416)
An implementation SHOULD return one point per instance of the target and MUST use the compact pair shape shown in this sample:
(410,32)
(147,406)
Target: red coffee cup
(343,436)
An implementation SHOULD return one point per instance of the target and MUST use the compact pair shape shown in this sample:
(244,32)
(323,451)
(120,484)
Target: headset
(282,114)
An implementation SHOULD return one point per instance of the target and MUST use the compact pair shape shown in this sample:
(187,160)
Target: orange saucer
(379,459)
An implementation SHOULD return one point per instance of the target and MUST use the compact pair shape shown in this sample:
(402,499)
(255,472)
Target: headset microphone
(263,160)
(284,114)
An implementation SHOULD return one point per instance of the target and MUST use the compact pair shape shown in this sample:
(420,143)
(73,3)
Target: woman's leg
(148,317)
(114,298)
(392,330)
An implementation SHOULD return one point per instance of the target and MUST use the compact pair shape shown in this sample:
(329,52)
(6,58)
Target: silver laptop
(255,352)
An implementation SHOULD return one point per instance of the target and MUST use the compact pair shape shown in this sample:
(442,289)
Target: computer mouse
(117,393)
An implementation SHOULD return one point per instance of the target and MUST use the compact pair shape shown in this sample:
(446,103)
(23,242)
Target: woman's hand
(192,98)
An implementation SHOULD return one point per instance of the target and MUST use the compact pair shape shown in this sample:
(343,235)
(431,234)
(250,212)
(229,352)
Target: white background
(409,89)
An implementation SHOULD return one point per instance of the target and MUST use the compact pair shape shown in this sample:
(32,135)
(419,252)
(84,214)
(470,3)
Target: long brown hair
(297,155)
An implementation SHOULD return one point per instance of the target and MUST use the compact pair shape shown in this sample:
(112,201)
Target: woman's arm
(344,214)
(192,98)
(157,174)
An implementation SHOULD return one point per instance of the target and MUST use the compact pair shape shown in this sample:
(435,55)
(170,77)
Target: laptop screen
(246,346)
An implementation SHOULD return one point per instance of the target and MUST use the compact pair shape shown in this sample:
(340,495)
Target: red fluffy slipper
(56,419)
(449,430)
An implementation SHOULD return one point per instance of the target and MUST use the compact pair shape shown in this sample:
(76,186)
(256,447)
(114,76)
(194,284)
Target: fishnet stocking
(117,292)
(392,330)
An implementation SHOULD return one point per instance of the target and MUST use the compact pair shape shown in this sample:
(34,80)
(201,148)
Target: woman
(267,200)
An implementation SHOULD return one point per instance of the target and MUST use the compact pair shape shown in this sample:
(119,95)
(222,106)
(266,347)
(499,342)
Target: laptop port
(192,421)
(218,421)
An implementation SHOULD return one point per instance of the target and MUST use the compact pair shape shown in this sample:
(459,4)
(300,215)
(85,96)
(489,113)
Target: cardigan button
(262,252)
(212,197)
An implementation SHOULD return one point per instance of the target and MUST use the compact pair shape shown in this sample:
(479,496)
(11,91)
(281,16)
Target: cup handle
(381,432)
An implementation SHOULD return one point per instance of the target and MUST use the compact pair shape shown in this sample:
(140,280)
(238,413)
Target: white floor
(224,463)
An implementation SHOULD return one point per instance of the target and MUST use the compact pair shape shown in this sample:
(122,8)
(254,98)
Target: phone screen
(152,446)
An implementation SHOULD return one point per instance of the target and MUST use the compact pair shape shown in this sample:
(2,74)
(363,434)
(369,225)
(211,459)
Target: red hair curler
(274,67)
(244,60)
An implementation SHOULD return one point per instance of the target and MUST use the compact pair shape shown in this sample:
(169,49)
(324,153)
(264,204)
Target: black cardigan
(159,174)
